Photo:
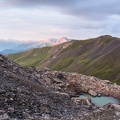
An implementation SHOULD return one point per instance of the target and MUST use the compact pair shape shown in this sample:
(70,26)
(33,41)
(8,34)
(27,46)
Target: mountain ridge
(24,46)
(97,57)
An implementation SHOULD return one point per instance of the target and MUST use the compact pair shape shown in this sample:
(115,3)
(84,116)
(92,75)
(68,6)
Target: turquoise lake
(100,101)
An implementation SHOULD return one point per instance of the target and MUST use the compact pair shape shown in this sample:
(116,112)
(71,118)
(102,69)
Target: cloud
(90,9)
(40,19)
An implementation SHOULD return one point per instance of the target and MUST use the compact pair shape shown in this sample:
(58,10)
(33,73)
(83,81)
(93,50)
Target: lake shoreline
(100,101)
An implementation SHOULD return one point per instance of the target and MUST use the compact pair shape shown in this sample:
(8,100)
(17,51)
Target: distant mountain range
(98,57)
(34,44)
(8,44)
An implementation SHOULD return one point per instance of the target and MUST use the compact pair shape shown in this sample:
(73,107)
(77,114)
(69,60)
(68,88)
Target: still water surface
(100,101)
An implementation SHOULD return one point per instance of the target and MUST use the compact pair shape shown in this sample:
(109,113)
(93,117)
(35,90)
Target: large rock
(86,101)
(92,92)
(83,101)
(76,101)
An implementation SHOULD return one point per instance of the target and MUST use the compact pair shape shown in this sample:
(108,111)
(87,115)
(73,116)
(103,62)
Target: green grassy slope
(33,57)
(99,57)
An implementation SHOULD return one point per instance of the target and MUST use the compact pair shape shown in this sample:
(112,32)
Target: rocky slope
(98,57)
(28,94)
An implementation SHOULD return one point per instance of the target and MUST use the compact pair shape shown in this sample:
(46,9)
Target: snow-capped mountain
(61,40)
(34,44)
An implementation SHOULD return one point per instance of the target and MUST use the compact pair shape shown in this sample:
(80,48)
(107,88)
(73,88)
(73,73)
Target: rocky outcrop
(27,94)
(92,92)
(78,83)
(83,101)
(93,85)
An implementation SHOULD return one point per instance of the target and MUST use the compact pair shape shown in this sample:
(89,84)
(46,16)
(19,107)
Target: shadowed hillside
(99,57)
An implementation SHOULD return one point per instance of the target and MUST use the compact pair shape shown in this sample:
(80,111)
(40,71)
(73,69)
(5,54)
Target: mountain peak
(34,44)
(64,38)
(61,40)
(108,36)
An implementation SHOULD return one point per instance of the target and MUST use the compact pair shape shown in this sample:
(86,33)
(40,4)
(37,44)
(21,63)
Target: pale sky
(42,19)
